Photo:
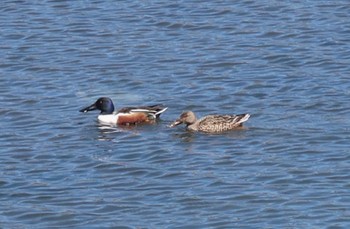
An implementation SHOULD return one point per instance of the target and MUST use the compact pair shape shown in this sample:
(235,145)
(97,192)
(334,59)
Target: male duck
(126,115)
(211,123)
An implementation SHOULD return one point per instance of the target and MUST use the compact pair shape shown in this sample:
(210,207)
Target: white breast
(109,119)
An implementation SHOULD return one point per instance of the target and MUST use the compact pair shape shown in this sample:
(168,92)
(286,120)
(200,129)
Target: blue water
(287,63)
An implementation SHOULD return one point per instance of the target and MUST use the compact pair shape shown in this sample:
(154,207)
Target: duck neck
(192,126)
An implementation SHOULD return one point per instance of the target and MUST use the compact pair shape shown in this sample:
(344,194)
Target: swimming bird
(126,115)
(211,123)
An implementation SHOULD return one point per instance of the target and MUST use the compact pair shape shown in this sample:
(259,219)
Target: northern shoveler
(126,115)
(211,123)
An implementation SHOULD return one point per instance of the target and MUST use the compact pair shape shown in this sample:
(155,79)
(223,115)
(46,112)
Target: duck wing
(154,110)
(219,123)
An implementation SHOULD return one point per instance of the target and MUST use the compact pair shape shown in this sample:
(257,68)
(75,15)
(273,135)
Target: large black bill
(89,108)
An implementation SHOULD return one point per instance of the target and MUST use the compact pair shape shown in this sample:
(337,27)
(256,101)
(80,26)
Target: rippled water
(284,62)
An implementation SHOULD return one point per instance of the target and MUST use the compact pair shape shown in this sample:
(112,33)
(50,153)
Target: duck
(211,123)
(126,115)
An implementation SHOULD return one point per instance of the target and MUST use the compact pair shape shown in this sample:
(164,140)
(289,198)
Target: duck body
(126,115)
(211,123)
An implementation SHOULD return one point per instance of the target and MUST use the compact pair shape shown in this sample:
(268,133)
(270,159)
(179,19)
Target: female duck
(211,123)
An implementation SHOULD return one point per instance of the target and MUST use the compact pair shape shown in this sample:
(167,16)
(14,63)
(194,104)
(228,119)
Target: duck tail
(241,118)
(156,110)
(160,111)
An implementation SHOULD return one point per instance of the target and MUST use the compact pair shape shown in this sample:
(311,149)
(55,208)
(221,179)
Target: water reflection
(108,132)
(190,136)
(186,136)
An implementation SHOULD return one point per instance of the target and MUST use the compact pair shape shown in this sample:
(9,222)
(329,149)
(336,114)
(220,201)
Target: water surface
(285,63)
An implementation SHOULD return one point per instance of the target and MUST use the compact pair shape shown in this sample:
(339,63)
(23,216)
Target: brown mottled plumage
(211,123)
